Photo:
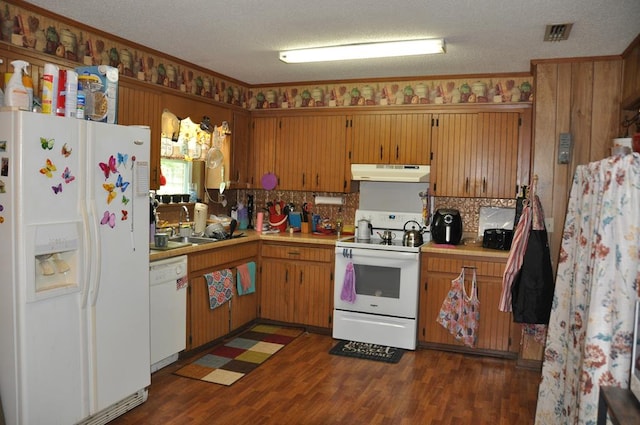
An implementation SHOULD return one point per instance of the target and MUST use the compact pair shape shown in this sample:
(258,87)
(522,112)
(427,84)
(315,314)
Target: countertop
(249,236)
(311,238)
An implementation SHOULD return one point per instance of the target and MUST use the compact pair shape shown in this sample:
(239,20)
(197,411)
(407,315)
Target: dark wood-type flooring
(303,384)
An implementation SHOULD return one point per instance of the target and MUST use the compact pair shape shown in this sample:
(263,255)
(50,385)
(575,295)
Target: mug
(161,240)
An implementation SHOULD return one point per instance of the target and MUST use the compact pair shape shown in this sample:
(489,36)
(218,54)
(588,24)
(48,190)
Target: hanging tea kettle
(412,237)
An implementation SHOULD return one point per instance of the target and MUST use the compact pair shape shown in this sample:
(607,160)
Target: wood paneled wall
(581,98)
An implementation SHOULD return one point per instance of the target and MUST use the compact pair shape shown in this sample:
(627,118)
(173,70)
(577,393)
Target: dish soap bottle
(16,91)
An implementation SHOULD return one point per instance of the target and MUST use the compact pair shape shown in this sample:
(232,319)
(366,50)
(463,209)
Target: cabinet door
(263,143)
(410,141)
(203,324)
(137,106)
(326,156)
(475,154)
(240,151)
(276,296)
(313,294)
(391,139)
(497,163)
(494,328)
(292,152)
(454,150)
(370,138)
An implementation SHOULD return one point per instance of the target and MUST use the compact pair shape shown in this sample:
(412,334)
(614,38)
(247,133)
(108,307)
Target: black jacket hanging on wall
(533,286)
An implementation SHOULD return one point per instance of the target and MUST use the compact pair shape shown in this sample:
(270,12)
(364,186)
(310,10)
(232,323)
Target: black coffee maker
(446,227)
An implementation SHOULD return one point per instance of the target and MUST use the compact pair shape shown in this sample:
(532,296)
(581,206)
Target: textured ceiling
(241,38)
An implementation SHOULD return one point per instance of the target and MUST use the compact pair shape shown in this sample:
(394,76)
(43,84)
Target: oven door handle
(374,253)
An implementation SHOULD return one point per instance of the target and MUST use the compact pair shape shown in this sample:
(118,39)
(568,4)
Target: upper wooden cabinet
(305,151)
(477,154)
(140,105)
(240,150)
(631,76)
(311,152)
(391,138)
(263,144)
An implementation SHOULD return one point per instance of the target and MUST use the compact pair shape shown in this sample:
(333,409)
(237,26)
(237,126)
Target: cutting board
(170,245)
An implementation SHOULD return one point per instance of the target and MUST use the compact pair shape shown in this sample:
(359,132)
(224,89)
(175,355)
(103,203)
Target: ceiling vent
(557,32)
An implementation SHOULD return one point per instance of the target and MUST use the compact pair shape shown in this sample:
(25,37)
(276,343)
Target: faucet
(184,211)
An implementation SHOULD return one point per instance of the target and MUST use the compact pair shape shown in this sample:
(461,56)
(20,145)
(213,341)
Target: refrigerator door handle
(95,254)
(86,256)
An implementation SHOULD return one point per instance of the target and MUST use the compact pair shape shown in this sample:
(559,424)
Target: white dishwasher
(168,310)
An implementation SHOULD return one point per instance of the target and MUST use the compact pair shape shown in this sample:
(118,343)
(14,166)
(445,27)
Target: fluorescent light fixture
(364,51)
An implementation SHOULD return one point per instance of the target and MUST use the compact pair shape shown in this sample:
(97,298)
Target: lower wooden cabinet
(297,284)
(203,324)
(496,332)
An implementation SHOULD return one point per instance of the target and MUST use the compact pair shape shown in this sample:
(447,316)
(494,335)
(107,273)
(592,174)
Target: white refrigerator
(74,269)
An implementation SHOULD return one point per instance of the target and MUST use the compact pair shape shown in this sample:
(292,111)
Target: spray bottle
(16,92)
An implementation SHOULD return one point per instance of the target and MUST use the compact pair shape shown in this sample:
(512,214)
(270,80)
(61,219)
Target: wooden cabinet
(391,138)
(311,153)
(263,145)
(240,150)
(496,334)
(631,77)
(138,104)
(297,284)
(476,154)
(203,324)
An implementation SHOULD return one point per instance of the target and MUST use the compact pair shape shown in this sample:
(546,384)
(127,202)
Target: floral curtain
(590,330)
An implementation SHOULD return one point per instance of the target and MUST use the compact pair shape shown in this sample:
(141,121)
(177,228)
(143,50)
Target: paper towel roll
(329,200)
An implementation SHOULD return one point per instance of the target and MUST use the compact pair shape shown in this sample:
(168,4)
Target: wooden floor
(303,384)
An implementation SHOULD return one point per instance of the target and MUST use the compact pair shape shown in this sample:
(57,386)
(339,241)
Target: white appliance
(168,310)
(74,287)
(385,309)
(390,172)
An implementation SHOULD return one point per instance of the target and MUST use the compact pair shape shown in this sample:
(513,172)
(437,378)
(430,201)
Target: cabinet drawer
(454,265)
(298,252)
(207,259)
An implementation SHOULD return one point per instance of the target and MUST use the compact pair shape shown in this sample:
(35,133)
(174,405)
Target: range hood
(390,172)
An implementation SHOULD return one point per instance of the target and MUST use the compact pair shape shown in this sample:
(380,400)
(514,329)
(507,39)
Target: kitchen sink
(194,240)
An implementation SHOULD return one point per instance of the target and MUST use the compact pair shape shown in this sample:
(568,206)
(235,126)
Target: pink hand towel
(348,293)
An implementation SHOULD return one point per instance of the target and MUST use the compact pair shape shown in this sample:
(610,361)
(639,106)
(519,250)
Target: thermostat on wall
(564,148)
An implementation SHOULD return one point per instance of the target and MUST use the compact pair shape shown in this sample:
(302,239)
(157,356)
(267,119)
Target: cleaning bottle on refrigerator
(16,91)
(50,88)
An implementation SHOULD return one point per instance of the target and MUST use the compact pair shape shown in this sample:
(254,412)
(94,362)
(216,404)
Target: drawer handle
(293,253)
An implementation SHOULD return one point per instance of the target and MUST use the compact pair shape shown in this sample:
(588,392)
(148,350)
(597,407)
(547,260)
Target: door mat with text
(231,361)
(363,350)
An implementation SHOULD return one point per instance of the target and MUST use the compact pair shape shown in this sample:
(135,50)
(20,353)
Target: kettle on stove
(446,227)
(365,229)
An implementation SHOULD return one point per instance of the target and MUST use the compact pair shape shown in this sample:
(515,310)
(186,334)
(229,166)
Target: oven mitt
(348,293)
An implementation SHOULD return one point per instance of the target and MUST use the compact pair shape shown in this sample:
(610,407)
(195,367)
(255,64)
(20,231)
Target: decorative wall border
(25,28)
